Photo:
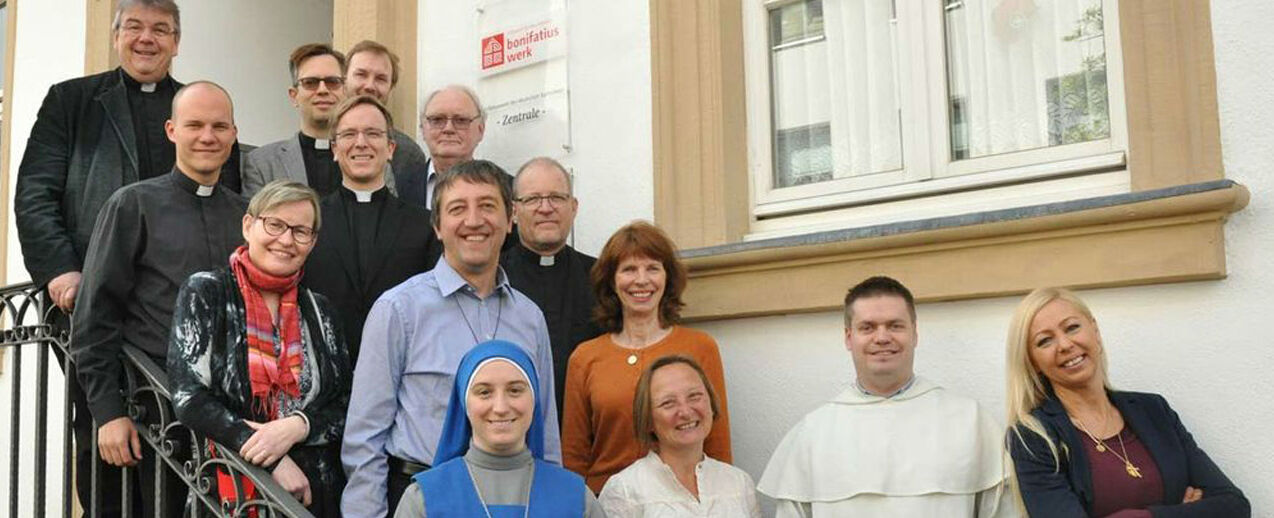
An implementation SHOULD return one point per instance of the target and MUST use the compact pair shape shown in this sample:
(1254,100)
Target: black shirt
(364,219)
(149,238)
(320,170)
(560,286)
(150,110)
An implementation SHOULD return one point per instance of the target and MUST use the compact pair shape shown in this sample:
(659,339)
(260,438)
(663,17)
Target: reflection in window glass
(805,155)
(1025,74)
(835,90)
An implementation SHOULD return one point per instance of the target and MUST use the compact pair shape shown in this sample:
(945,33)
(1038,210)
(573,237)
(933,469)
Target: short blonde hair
(282,192)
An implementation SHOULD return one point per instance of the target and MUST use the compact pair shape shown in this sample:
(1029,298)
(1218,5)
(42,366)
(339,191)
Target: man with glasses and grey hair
(543,266)
(453,123)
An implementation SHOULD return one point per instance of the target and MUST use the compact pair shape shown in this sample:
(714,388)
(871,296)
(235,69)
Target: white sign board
(523,81)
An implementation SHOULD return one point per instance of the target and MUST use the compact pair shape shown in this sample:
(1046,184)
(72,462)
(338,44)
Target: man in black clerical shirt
(543,266)
(149,238)
(318,78)
(371,240)
(373,70)
(93,135)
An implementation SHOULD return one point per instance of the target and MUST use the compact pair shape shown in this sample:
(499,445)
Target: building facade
(794,147)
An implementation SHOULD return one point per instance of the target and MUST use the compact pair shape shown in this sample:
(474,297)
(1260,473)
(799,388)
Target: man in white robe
(893,444)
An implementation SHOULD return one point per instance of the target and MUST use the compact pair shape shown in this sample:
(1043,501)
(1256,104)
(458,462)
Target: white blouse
(649,489)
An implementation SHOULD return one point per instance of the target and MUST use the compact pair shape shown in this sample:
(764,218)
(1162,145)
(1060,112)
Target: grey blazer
(282,160)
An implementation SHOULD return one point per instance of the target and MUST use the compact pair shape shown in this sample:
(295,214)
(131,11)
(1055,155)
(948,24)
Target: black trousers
(399,480)
(142,490)
(83,432)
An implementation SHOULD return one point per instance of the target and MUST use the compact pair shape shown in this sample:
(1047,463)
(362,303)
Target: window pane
(1025,74)
(796,22)
(805,155)
(835,90)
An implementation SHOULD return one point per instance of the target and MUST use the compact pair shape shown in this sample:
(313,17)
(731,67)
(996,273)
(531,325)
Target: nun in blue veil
(490,458)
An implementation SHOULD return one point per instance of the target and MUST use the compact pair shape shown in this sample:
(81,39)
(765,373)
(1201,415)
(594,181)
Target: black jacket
(404,246)
(82,148)
(1067,491)
(212,392)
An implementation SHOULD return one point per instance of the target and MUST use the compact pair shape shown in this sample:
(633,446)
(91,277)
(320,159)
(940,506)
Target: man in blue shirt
(417,332)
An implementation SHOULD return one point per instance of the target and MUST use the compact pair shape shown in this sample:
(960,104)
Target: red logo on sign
(492,51)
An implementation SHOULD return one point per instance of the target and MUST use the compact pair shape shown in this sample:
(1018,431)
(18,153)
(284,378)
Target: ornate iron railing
(26,321)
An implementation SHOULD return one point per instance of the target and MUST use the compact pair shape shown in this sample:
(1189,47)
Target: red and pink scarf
(270,376)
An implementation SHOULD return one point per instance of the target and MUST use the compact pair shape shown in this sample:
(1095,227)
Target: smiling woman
(638,282)
(673,412)
(1080,448)
(259,363)
(490,458)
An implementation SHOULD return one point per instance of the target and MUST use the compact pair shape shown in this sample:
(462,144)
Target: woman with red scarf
(258,363)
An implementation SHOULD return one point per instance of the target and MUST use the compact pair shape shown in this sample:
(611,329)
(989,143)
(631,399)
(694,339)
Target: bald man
(149,237)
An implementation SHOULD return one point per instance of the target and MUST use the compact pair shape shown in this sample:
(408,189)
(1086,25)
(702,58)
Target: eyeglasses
(556,200)
(371,134)
(312,83)
(160,31)
(439,122)
(302,234)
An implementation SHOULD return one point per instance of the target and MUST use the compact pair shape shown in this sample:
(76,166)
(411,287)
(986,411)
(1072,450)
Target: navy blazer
(1067,491)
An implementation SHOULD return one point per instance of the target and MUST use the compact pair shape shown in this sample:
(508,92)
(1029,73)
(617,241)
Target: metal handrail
(149,402)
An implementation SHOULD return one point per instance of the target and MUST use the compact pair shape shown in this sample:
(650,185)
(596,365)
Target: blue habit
(448,492)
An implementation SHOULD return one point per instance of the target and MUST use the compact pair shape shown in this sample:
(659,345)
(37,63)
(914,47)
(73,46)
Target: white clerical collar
(548,260)
(204,191)
(322,143)
(149,87)
(363,196)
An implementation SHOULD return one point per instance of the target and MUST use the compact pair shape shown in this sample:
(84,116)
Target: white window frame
(926,145)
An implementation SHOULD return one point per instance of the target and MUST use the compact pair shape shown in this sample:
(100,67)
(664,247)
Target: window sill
(1163,235)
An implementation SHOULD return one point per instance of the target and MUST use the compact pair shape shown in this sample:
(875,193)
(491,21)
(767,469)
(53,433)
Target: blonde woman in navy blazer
(1080,448)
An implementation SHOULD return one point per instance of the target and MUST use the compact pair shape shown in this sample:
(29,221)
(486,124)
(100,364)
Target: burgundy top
(1113,489)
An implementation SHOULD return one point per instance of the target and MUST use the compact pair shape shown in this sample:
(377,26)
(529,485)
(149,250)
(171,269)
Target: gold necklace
(1132,469)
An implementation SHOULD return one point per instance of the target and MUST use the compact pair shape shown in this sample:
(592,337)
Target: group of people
(342,308)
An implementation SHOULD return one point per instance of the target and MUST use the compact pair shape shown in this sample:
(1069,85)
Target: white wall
(1203,345)
(609,62)
(39,61)
(243,45)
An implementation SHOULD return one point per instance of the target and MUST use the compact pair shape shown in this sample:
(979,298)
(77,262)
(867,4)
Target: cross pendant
(1133,471)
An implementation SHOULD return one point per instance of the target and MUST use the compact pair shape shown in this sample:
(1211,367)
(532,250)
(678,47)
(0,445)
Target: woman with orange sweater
(638,281)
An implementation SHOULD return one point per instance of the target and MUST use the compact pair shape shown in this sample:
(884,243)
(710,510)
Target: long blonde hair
(1025,389)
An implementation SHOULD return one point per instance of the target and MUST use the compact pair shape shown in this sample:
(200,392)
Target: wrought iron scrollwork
(25,318)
